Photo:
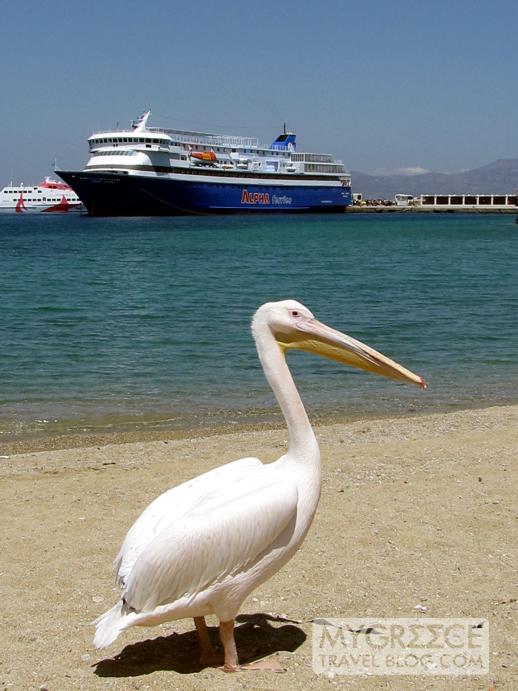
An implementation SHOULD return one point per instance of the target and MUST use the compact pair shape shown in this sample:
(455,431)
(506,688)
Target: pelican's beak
(315,337)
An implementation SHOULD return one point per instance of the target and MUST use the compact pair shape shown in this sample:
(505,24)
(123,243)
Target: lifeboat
(206,157)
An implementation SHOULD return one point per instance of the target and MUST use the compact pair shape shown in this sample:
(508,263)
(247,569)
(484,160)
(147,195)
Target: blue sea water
(121,323)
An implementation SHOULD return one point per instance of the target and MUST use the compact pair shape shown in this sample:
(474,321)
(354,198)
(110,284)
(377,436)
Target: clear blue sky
(383,85)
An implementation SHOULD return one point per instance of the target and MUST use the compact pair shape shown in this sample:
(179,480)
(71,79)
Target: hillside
(499,177)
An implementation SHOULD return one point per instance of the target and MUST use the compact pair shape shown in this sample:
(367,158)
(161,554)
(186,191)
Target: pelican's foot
(266,665)
(226,632)
(211,658)
(208,656)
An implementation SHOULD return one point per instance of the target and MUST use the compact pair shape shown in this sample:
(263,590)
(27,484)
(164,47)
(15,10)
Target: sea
(127,324)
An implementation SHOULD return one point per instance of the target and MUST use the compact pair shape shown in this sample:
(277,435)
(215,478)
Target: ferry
(50,196)
(152,171)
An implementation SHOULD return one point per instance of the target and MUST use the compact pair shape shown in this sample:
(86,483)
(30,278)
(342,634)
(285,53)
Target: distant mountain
(499,177)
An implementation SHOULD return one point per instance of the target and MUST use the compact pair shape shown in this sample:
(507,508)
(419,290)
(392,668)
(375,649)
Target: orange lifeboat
(205,156)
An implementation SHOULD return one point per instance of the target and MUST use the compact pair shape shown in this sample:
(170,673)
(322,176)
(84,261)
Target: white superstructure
(154,149)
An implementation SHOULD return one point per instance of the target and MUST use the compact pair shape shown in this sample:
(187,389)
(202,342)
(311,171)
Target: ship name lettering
(254,197)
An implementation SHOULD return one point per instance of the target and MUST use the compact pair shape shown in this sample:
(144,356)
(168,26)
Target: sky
(385,86)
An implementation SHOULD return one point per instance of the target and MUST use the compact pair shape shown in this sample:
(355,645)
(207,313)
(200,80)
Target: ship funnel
(285,141)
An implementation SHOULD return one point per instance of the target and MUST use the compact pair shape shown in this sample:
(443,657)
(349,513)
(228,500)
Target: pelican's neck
(302,444)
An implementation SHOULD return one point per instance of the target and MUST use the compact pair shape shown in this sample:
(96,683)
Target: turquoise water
(132,322)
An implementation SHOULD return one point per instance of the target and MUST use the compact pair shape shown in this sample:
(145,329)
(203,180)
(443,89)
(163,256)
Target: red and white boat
(49,196)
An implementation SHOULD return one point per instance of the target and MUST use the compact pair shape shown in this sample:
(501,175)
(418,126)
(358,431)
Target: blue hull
(118,194)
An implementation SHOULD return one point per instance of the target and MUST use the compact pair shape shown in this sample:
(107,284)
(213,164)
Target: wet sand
(418,517)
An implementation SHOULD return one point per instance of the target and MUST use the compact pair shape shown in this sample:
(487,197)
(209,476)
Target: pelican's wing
(211,543)
(170,506)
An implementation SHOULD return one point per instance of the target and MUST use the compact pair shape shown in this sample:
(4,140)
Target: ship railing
(186,137)
(207,139)
(313,158)
(332,169)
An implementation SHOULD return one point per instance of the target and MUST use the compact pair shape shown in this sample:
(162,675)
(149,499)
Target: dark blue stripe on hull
(106,194)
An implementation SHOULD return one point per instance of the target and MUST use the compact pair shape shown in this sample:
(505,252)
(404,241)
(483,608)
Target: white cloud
(405,170)
(413,170)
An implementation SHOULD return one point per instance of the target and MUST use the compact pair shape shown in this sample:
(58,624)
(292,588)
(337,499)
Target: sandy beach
(418,517)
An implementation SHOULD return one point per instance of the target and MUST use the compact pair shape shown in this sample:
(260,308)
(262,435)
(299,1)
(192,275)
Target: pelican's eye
(295,313)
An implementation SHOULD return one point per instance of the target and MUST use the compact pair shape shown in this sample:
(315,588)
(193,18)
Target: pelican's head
(294,326)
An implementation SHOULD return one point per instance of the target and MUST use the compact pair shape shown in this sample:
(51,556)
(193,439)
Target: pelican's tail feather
(109,625)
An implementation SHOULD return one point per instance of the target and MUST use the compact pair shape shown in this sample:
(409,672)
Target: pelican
(202,547)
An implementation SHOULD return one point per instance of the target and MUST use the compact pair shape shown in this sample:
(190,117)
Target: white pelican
(202,547)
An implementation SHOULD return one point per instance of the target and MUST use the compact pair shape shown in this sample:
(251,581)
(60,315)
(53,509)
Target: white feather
(170,506)
(221,537)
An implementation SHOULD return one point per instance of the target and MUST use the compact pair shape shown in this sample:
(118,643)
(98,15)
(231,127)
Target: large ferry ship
(150,171)
(49,195)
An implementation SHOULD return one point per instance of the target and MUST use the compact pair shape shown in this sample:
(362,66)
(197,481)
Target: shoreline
(371,209)
(133,429)
(50,445)
(417,518)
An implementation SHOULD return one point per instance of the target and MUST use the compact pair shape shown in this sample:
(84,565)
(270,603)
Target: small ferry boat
(50,196)
(149,171)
